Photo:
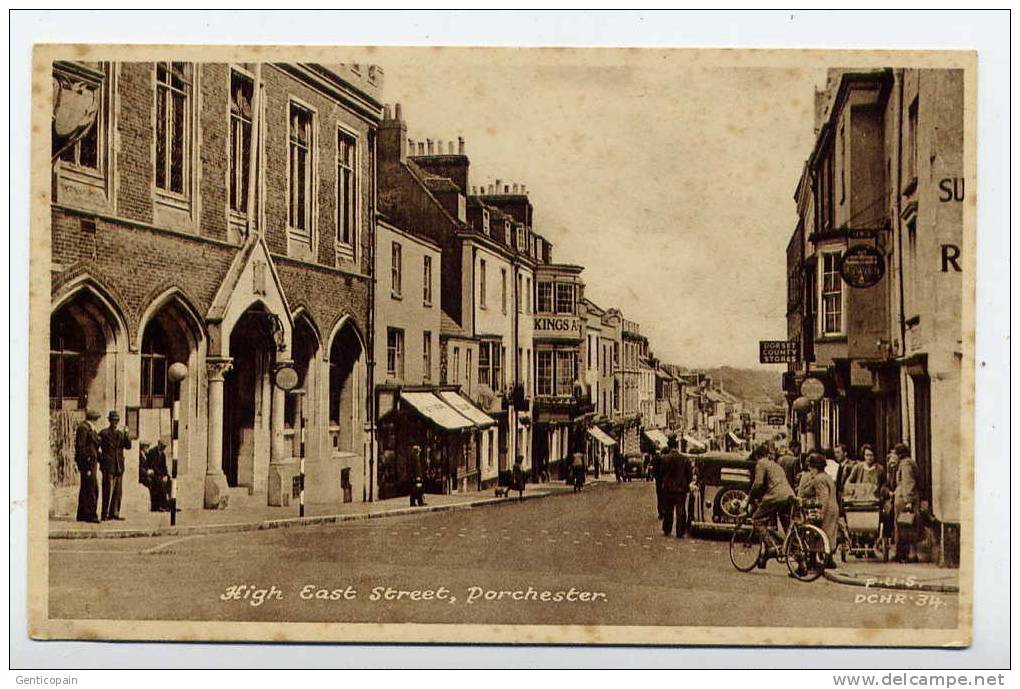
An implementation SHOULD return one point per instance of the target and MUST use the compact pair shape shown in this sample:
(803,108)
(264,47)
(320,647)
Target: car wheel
(729,501)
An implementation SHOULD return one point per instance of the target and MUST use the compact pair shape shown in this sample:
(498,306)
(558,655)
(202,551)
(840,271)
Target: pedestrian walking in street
(657,475)
(416,477)
(158,477)
(819,488)
(676,481)
(577,471)
(906,502)
(86,458)
(517,476)
(112,443)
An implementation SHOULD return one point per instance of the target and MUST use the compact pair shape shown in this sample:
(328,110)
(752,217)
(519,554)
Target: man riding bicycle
(770,492)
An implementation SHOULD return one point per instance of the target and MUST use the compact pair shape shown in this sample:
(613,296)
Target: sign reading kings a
(558,327)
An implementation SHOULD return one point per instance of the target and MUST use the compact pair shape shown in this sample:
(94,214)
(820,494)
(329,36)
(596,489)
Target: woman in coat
(819,487)
(868,471)
(906,501)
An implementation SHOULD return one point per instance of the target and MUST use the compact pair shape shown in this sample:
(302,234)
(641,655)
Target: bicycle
(804,549)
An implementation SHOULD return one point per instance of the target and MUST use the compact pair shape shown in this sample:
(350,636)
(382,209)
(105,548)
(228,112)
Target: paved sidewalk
(196,521)
(894,575)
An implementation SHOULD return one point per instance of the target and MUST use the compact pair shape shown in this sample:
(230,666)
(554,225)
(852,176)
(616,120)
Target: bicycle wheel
(745,547)
(805,550)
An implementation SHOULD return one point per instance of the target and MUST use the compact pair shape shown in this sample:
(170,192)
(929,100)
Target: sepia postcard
(502,345)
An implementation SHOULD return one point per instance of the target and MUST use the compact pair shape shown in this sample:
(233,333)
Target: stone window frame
(180,211)
(237,220)
(343,250)
(92,189)
(303,243)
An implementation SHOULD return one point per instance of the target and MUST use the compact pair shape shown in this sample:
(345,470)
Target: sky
(668,176)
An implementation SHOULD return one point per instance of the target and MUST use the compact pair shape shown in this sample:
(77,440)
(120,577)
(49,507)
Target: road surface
(593,558)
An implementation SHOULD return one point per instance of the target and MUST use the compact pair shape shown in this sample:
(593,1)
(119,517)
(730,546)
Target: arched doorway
(247,397)
(305,344)
(345,413)
(86,344)
(171,334)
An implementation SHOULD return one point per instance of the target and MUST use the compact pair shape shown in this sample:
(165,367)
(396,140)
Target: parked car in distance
(633,467)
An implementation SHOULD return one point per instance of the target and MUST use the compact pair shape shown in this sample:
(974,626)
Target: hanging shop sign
(812,388)
(778,351)
(862,266)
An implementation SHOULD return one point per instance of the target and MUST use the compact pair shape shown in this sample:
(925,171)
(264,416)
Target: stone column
(278,449)
(279,476)
(215,482)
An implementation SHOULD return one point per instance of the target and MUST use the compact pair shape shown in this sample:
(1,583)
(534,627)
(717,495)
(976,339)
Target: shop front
(447,431)
(601,451)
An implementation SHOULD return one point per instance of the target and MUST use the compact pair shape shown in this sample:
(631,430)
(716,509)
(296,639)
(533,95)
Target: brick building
(221,216)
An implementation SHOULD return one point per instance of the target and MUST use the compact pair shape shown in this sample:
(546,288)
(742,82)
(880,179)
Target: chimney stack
(524,190)
(428,146)
(515,187)
(460,145)
(397,114)
(421,148)
(499,185)
(449,147)
(393,141)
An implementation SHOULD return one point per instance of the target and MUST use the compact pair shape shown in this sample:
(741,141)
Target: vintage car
(722,481)
(634,467)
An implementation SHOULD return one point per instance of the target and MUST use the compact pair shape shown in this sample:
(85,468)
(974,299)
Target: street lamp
(176,373)
(287,379)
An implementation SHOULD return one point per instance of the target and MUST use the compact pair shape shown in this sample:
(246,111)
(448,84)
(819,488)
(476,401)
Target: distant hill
(751,385)
(759,387)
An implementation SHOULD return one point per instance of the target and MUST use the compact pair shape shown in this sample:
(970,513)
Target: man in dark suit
(86,457)
(157,477)
(676,481)
(112,442)
(416,476)
(657,475)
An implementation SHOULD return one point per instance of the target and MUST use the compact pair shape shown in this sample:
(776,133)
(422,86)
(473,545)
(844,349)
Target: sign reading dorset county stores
(778,351)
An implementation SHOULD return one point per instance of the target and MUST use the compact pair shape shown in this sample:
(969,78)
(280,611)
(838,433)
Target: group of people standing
(102,450)
(827,479)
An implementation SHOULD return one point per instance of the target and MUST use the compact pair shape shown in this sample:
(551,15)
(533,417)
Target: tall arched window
(155,360)
(67,362)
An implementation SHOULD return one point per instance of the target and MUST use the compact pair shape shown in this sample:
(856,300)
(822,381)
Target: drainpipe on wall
(370,326)
(904,407)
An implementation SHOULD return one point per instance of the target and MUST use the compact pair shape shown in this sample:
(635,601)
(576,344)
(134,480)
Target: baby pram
(865,533)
